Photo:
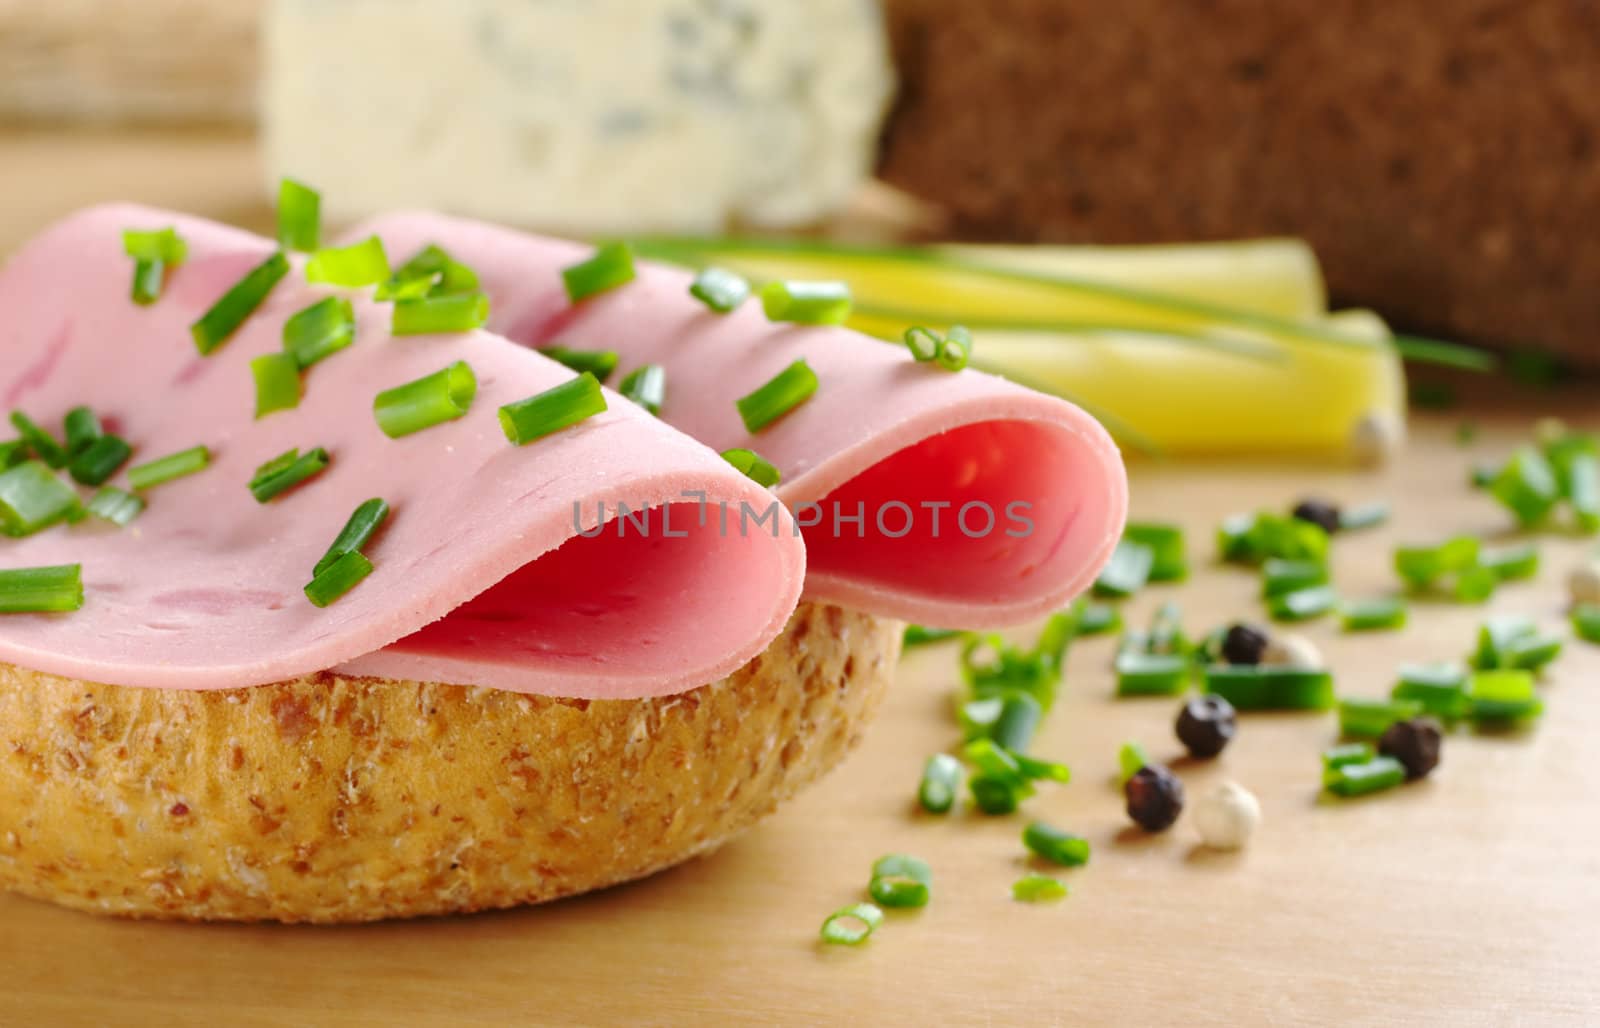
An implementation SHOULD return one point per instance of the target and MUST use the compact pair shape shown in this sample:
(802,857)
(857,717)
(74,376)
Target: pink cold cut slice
(883,437)
(482,577)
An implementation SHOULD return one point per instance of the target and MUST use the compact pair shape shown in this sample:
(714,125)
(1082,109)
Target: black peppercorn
(1155,798)
(1243,644)
(1206,725)
(1414,743)
(1319,512)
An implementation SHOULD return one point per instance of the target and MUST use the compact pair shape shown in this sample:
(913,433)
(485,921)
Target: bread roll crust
(334,799)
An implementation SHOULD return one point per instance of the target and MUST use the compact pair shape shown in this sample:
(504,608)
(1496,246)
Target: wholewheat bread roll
(335,799)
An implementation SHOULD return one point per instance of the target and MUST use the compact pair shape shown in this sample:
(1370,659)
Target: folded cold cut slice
(482,575)
(980,502)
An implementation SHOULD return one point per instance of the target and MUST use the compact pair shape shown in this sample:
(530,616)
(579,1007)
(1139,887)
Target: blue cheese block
(583,116)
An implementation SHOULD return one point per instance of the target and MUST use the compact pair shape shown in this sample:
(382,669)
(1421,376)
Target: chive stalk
(299,216)
(113,505)
(41,590)
(923,343)
(439,313)
(338,578)
(1169,561)
(955,350)
(753,466)
(1303,604)
(356,533)
(852,925)
(1055,845)
(218,324)
(599,363)
(1263,687)
(99,460)
(319,331)
(542,414)
(1368,719)
(165,469)
(432,400)
(33,499)
(1384,614)
(81,427)
(39,440)
(1127,571)
(720,290)
(646,386)
(781,394)
(286,471)
(359,264)
(1038,888)
(610,266)
(941,780)
(806,303)
(429,272)
(277,379)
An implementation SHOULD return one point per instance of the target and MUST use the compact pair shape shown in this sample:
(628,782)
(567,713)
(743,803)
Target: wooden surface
(1468,899)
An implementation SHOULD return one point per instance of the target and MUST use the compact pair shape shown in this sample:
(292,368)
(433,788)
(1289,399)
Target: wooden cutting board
(1468,899)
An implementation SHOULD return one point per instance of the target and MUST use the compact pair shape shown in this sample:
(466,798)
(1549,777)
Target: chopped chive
(1527,486)
(1369,776)
(851,926)
(452,312)
(995,795)
(432,400)
(12,453)
(33,499)
(1441,689)
(277,377)
(1422,566)
(1367,719)
(1151,674)
(338,578)
(1131,758)
(1511,563)
(1502,697)
(923,343)
(806,303)
(941,780)
(1346,754)
(430,271)
(781,394)
(82,427)
(1266,687)
(646,386)
(918,635)
(900,880)
(148,278)
(1019,718)
(1252,538)
(753,466)
(235,306)
(1055,845)
(1127,571)
(1303,604)
(1475,584)
(1037,888)
(162,244)
(720,290)
(1383,614)
(284,472)
(176,465)
(554,409)
(113,505)
(319,331)
(299,216)
(1169,561)
(599,363)
(356,533)
(1036,770)
(39,440)
(100,460)
(359,264)
(955,350)
(1095,618)
(993,759)
(610,266)
(978,717)
(1586,622)
(46,590)
(1495,637)
(1368,515)
(1583,490)
(1280,576)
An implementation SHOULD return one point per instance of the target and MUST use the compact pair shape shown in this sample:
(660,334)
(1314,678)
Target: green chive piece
(806,303)
(1303,604)
(1368,515)
(1502,698)
(1096,618)
(1170,563)
(1252,538)
(453,312)
(1131,759)
(39,440)
(1127,571)
(1370,776)
(1055,845)
(338,578)
(994,669)
(1475,585)
(941,781)
(851,926)
(1513,643)
(720,290)
(430,272)
(1441,689)
(1583,491)
(1151,674)
(1019,719)
(1280,576)
(599,363)
(610,266)
(176,465)
(100,460)
(923,343)
(356,533)
(1259,687)
(1037,888)
(554,409)
(359,264)
(1385,614)
(781,394)
(646,386)
(287,470)
(148,278)
(432,400)
(1422,566)
(33,499)
(978,717)
(12,453)
(162,244)
(1527,486)
(1368,719)
(277,377)
(995,795)
(1531,653)
(900,880)
(113,505)
(299,216)
(955,350)
(753,466)
(992,759)
(918,635)
(1346,754)
(319,331)
(46,590)
(235,306)
(82,428)
(1586,622)
(1035,770)
(1511,563)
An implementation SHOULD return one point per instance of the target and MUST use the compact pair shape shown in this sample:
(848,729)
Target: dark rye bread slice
(1442,156)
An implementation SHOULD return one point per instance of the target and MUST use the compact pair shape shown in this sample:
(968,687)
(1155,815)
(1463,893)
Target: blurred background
(1422,168)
